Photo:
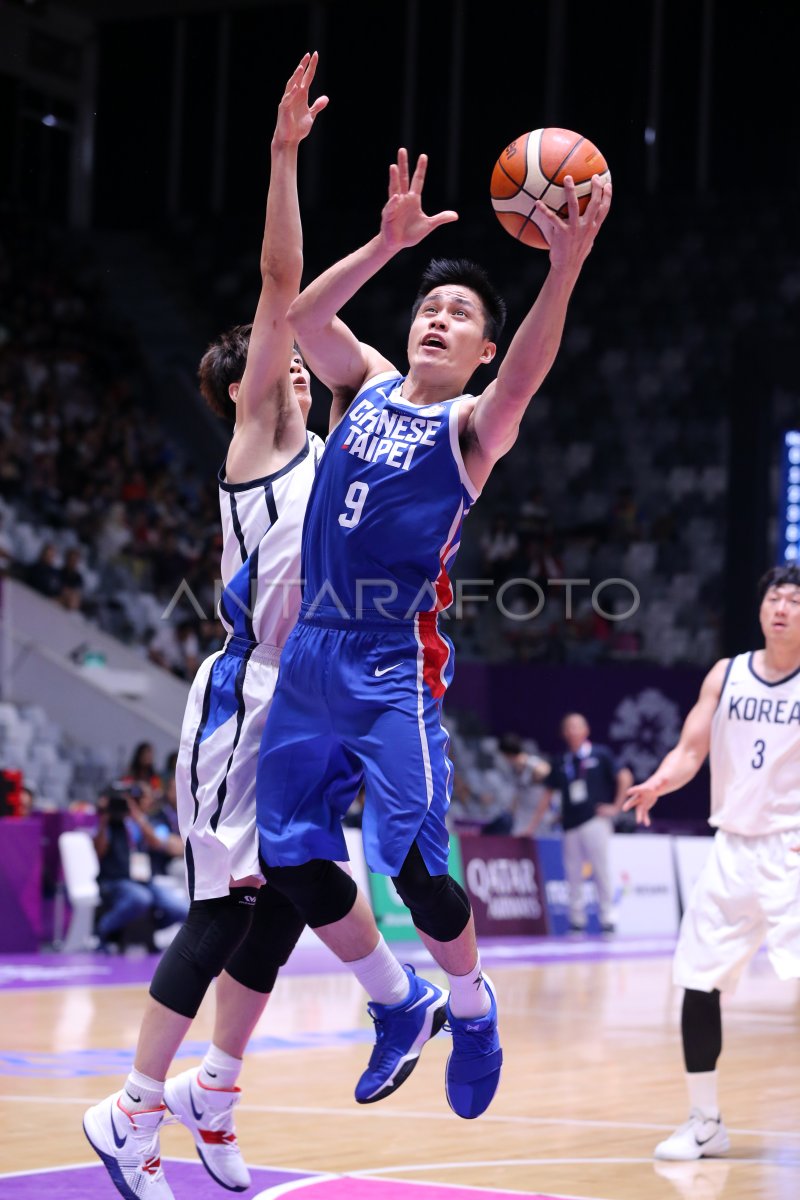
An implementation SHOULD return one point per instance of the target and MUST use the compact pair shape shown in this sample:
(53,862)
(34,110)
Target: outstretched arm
(682,763)
(495,418)
(265,403)
(333,351)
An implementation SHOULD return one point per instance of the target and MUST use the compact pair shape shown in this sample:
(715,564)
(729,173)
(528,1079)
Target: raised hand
(295,115)
(642,797)
(572,238)
(403,223)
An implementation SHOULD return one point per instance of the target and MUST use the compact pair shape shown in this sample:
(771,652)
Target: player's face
(780,615)
(301,382)
(447,334)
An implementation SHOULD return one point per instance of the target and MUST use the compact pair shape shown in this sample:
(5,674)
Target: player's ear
(233,391)
(488,353)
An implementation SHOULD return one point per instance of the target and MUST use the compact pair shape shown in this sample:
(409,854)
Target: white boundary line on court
(414,1115)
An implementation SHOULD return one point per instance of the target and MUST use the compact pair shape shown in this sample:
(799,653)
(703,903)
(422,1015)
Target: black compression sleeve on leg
(320,890)
(701,1027)
(209,936)
(439,906)
(270,940)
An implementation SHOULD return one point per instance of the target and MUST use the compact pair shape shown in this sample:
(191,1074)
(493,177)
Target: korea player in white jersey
(236,930)
(747,718)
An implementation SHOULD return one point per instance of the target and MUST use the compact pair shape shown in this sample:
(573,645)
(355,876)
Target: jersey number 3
(759,748)
(356,495)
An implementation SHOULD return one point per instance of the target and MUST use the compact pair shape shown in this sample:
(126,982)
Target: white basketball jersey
(755,752)
(262,526)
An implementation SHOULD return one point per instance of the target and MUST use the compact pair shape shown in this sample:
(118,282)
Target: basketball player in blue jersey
(747,720)
(366,668)
(237,930)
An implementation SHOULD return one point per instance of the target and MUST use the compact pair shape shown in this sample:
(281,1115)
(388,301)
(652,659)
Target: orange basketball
(533,168)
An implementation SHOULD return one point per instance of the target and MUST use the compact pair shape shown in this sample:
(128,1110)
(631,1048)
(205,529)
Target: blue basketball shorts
(351,705)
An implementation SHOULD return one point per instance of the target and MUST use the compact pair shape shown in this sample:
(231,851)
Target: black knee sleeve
(320,890)
(209,936)
(701,1027)
(438,905)
(271,938)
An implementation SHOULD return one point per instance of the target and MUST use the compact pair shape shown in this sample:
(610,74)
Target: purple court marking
(93,1183)
(189,1178)
(19,971)
(349,1187)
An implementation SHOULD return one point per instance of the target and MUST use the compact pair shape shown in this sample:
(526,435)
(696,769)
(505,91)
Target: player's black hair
(510,743)
(223,364)
(462,270)
(778,577)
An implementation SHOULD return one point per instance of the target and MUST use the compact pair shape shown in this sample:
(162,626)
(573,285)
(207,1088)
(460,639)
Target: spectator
(142,768)
(176,648)
(43,574)
(6,550)
(624,524)
(161,842)
(487,808)
(535,519)
(72,581)
(499,545)
(120,822)
(592,788)
(527,773)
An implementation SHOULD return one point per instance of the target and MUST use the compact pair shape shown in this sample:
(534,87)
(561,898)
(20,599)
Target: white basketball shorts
(747,894)
(216,769)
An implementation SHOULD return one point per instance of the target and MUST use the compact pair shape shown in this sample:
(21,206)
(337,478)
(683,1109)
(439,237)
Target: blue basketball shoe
(401,1030)
(473,1068)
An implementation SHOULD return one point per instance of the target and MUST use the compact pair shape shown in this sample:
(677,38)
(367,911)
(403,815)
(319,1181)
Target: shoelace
(378,1050)
(146,1141)
(221,1123)
(472,1042)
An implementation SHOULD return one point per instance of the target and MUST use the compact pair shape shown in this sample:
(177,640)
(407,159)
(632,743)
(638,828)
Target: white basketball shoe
(128,1144)
(208,1115)
(699,1137)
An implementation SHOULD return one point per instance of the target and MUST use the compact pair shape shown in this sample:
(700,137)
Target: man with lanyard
(593,788)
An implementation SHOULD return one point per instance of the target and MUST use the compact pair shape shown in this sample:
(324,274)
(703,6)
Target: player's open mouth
(433,342)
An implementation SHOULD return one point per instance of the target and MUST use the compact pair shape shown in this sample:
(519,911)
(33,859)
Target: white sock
(218,1069)
(468,994)
(381,976)
(703,1093)
(140,1092)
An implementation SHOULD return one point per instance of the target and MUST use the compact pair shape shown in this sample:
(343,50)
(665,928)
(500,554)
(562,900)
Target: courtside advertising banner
(502,879)
(691,855)
(643,878)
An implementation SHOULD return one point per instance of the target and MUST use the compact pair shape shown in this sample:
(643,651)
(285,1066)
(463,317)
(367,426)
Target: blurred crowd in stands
(98,509)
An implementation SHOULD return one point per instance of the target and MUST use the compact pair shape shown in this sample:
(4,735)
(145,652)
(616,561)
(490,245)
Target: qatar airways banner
(502,878)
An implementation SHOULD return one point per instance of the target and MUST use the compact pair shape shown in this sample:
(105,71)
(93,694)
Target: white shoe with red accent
(208,1114)
(128,1144)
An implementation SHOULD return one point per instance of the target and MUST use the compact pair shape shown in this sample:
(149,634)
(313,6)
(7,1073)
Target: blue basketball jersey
(384,519)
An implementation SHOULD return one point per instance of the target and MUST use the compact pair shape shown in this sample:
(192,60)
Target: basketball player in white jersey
(747,718)
(237,930)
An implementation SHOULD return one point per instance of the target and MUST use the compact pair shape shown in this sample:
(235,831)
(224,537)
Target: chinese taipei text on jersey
(227,706)
(364,671)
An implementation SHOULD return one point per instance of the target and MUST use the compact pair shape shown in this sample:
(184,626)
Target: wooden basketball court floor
(592,1080)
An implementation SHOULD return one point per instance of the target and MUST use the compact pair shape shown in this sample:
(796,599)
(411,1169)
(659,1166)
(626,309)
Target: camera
(117,795)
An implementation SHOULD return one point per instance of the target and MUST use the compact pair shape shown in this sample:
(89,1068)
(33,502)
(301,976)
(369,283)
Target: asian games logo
(644,728)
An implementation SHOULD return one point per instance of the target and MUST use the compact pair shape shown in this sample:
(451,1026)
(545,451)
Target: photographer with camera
(121,824)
